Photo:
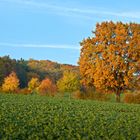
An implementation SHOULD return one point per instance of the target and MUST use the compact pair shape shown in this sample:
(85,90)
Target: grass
(40,117)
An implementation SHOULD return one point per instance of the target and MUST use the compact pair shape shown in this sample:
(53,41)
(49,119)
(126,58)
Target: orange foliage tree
(109,59)
(47,87)
(11,83)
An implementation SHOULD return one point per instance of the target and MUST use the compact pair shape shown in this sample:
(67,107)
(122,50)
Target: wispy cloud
(18,45)
(74,11)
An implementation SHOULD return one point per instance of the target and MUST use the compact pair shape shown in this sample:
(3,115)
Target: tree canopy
(11,83)
(110,58)
(69,82)
(26,70)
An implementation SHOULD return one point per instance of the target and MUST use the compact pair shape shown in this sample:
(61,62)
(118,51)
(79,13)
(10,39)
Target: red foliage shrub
(132,97)
(91,94)
(47,87)
(24,91)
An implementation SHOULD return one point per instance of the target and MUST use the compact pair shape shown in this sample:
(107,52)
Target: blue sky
(52,29)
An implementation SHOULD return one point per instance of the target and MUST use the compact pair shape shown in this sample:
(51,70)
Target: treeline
(45,77)
(33,74)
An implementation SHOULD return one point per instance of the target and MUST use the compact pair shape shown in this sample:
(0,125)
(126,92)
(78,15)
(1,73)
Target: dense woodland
(26,70)
(34,76)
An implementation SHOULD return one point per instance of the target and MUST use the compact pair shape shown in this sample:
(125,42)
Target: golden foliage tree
(33,84)
(47,87)
(69,82)
(109,59)
(11,83)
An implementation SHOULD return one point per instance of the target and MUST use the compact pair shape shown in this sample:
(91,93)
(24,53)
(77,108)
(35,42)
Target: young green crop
(40,117)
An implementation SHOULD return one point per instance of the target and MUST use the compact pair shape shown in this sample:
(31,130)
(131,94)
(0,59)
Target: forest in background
(28,69)
(42,77)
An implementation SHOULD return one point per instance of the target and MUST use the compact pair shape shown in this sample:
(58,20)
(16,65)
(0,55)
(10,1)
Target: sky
(53,29)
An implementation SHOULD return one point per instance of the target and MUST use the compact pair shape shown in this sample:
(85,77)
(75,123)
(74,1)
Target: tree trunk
(118,98)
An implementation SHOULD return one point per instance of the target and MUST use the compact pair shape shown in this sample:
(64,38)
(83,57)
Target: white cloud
(73,11)
(18,45)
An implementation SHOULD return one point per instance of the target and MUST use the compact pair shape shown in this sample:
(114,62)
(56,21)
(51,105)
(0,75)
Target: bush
(47,87)
(133,97)
(78,95)
(24,91)
(91,93)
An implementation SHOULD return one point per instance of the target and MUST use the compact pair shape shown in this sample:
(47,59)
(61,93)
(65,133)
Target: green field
(39,117)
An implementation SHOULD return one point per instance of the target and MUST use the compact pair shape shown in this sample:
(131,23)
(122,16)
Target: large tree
(111,57)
